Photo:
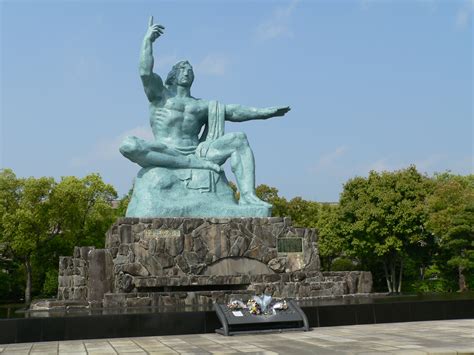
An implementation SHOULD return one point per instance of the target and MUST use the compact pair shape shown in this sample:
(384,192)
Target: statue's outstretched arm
(238,113)
(152,82)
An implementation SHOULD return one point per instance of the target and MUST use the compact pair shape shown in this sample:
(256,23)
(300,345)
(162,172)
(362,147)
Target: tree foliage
(41,218)
(83,208)
(451,219)
(332,242)
(303,213)
(384,218)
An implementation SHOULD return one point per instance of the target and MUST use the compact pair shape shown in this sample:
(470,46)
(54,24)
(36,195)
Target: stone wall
(354,281)
(194,246)
(187,261)
(178,291)
(73,275)
(86,276)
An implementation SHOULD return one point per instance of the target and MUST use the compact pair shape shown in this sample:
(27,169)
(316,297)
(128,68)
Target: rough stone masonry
(169,261)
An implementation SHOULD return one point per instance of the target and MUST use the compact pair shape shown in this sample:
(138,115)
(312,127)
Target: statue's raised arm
(152,82)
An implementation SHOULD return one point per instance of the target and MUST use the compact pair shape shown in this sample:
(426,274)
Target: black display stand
(292,318)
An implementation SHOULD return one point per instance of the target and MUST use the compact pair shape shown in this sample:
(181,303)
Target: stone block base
(199,290)
(188,261)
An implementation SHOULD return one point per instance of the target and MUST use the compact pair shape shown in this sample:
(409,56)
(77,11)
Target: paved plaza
(434,337)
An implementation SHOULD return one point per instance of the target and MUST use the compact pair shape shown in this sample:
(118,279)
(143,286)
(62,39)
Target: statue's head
(181,74)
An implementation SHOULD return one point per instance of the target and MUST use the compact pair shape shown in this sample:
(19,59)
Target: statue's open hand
(279,111)
(154,30)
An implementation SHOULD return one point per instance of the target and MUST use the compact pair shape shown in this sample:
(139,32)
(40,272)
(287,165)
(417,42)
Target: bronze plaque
(161,233)
(290,245)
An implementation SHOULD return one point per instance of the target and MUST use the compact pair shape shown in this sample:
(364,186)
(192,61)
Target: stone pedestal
(184,261)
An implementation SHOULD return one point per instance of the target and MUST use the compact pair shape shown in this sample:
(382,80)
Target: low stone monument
(185,239)
(186,261)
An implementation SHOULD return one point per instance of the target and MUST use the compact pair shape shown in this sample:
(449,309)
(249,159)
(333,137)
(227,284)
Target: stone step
(143,282)
(188,296)
(160,299)
(54,304)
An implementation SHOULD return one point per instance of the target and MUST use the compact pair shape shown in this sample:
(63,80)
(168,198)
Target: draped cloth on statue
(200,179)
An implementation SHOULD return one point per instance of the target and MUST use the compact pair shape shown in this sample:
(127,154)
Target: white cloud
(429,163)
(164,62)
(278,25)
(464,14)
(331,157)
(383,164)
(329,162)
(215,64)
(108,149)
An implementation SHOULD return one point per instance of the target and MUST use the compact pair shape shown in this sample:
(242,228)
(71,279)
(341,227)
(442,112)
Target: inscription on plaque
(290,245)
(161,233)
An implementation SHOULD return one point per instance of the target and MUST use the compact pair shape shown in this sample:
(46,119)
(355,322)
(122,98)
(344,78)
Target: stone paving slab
(412,338)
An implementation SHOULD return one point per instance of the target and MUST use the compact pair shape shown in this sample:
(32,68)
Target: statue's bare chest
(185,114)
(184,107)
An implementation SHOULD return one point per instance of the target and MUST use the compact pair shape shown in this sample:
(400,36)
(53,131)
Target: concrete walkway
(434,337)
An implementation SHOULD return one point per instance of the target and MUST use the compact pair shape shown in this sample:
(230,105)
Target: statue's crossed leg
(156,154)
(231,145)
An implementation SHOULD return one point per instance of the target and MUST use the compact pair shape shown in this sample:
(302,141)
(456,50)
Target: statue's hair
(171,78)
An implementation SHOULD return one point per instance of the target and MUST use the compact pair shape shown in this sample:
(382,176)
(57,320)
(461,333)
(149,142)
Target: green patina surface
(181,171)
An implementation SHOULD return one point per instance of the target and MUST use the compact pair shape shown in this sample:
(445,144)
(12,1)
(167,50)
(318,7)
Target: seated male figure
(177,118)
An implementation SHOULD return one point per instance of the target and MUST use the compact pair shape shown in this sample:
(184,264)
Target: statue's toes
(217,168)
(265,204)
(128,146)
(214,167)
(254,201)
(262,203)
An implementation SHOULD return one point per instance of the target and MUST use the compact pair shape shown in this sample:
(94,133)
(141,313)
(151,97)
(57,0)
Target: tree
(37,213)
(83,207)
(451,219)
(384,219)
(303,213)
(332,240)
(121,209)
(25,222)
(270,194)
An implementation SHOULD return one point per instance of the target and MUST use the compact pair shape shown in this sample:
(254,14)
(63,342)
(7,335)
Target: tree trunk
(399,289)
(28,281)
(462,280)
(329,266)
(393,273)
(422,273)
(387,277)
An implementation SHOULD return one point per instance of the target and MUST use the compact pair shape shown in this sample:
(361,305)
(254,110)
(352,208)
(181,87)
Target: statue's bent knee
(240,138)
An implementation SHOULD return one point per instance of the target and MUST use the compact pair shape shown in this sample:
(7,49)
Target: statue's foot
(212,166)
(252,200)
(131,146)
(197,163)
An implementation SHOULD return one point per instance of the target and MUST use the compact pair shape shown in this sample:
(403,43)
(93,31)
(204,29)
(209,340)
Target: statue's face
(185,75)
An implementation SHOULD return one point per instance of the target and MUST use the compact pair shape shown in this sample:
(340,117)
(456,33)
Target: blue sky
(372,84)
